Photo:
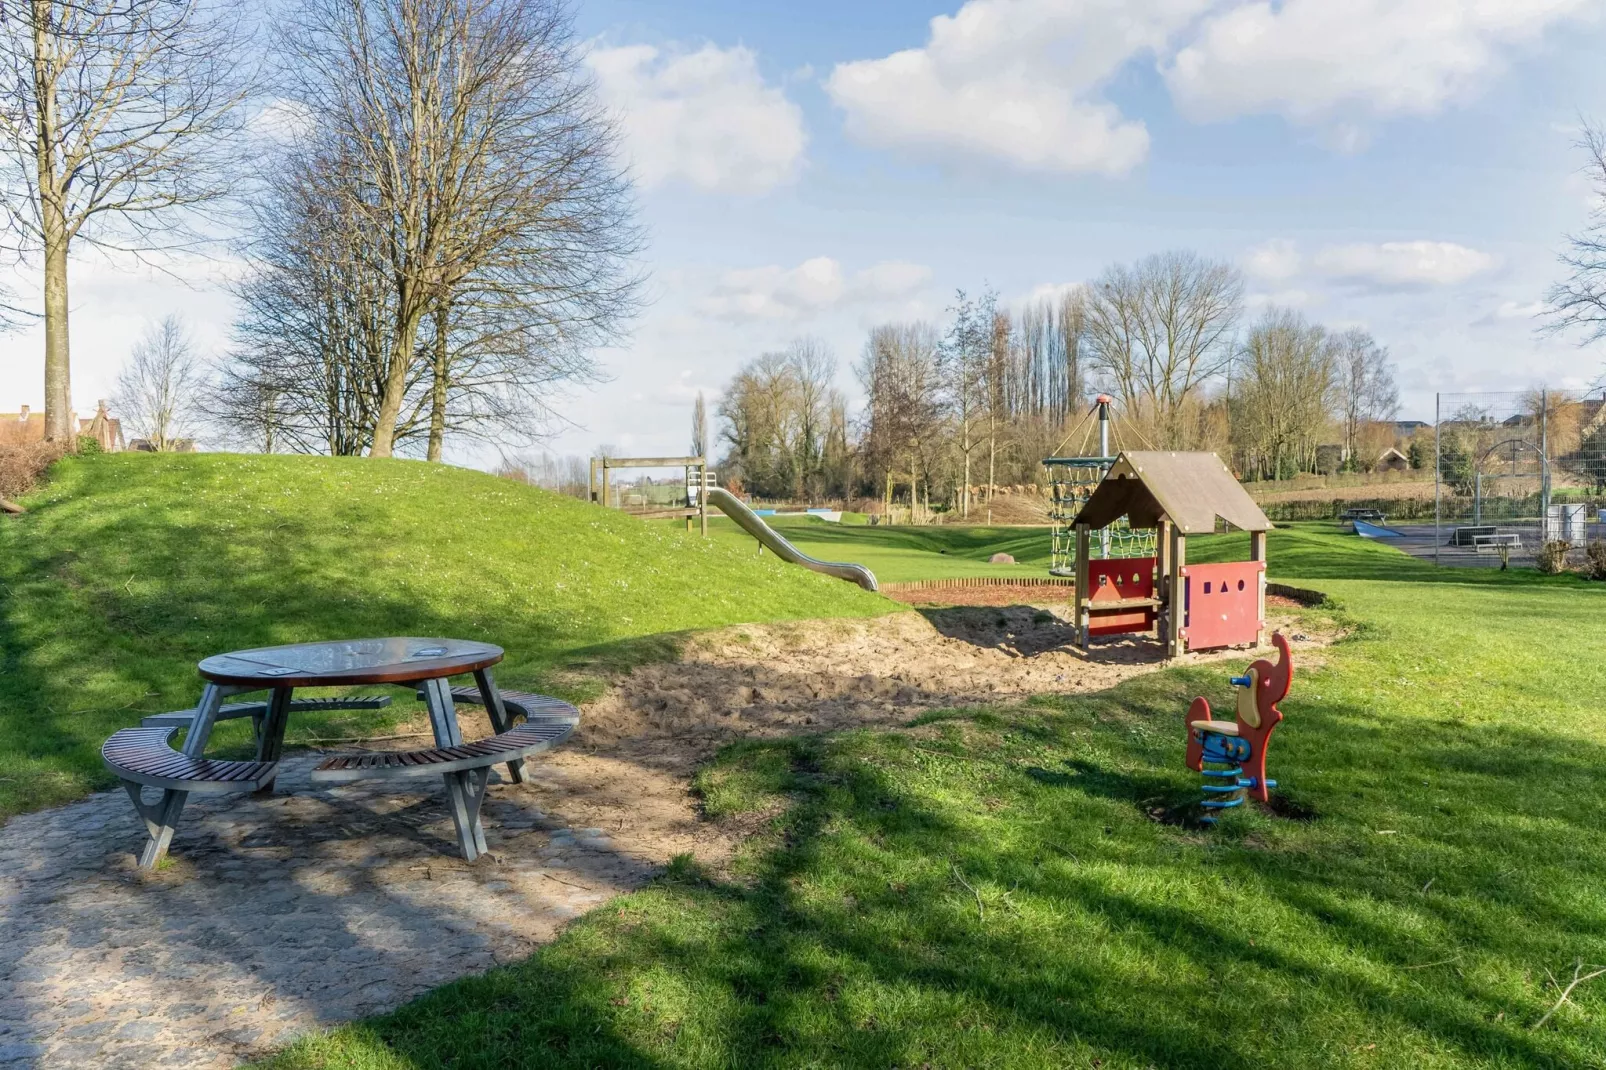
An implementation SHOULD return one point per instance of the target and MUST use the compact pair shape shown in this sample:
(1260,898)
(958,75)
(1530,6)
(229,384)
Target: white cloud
(1280,299)
(1275,261)
(813,287)
(1511,310)
(1403,263)
(703,117)
(1315,60)
(1014,80)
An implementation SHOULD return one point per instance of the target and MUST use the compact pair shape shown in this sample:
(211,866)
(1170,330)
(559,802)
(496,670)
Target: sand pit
(772,679)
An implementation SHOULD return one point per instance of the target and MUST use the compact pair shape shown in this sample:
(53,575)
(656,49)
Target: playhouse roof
(1189,489)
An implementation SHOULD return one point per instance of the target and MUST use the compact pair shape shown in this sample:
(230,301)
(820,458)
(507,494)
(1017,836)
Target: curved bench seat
(526,739)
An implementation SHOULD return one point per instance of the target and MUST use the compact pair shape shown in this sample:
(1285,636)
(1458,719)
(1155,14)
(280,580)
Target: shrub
(1553,556)
(1595,560)
(21,466)
(88,444)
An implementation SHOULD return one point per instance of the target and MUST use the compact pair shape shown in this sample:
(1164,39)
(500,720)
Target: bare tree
(900,374)
(965,355)
(1159,329)
(699,427)
(484,170)
(1284,387)
(116,120)
(159,390)
(1579,303)
(1366,390)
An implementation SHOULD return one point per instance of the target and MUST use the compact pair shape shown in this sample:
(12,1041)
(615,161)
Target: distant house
(1393,460)
(25,428)
(174,445)
(1407,428)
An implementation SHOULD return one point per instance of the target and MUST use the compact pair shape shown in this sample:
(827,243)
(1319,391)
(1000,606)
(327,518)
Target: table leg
(161,818)
(270,741)
(461,798)
(500,721)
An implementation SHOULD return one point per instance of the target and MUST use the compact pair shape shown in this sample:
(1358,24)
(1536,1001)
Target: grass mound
(128,569)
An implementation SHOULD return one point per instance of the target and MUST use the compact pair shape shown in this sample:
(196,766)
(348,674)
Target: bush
(88,444)
(1553,556)
(21,466)
(1595,560)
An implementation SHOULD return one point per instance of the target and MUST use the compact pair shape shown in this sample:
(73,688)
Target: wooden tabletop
(396,660)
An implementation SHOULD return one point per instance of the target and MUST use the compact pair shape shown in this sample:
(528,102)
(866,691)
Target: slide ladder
(754,525)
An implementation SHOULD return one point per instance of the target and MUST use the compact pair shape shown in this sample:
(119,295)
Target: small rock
(1001,559)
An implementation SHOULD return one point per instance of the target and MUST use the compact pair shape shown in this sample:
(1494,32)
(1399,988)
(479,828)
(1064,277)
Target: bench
(144,757)
(258,710)
(1488,544)
(1370,515)
(466,767)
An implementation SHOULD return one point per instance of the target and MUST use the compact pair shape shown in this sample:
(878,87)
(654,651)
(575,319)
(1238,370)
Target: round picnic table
(424,663)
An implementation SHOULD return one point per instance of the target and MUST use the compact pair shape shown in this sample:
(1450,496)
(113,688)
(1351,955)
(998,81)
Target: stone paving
(277,914)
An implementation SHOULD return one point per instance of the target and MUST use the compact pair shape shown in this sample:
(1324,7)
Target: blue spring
(1223,787)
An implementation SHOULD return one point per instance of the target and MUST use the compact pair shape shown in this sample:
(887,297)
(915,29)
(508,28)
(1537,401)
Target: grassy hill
(130,568)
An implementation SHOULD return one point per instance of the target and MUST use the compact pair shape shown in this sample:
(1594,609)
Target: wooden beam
(1177,596)
(1257,552)
(1082,582)
(650,462)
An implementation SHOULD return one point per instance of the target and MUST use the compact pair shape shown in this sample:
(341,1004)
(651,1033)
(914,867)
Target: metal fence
(1513,472)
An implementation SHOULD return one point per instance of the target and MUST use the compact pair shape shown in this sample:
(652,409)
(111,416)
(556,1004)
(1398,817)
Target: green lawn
(900,554)
(994,890)
(130,568)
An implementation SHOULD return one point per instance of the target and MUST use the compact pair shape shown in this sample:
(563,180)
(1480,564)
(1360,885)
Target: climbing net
(1071,482)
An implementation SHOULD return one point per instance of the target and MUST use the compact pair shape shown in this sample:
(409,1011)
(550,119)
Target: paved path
(278,915)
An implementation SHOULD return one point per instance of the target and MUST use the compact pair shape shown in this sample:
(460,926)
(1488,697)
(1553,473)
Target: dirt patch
(775,679)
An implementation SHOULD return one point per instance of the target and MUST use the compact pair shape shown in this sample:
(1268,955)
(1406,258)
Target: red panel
(1223,604)
(1113,579)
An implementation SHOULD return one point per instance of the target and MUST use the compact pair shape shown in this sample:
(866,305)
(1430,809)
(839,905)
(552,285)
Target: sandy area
(628,768)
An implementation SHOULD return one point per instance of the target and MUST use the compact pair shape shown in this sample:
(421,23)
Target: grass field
(130,568)
(1004,887)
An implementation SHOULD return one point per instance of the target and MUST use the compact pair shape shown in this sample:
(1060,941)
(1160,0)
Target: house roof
(1395,452)
(1189,489)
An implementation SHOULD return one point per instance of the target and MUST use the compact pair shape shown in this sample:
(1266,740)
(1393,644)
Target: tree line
(952,410)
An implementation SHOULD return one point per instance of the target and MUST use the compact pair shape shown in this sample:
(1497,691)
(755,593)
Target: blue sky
(812,169)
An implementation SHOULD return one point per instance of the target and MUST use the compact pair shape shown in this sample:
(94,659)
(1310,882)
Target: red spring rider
(1236,749)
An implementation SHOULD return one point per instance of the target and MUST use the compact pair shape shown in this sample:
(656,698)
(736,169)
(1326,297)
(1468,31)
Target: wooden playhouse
(1188,607)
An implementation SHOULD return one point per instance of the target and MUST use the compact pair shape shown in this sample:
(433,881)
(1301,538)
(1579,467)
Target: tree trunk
(390,401)
(53,232)
(58,378)
(437,394)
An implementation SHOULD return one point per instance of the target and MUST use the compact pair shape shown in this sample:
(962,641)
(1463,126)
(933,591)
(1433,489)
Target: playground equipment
(703,491)
(1235,748)
(1191,607)
(697,475)
(1071,481)
(754,525)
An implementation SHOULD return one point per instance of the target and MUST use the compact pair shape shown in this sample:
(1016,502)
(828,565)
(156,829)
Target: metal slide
(754,525)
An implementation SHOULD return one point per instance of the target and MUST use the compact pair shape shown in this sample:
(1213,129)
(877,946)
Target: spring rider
(1237,749)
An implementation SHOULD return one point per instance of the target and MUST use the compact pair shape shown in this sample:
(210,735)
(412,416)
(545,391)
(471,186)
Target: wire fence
(1518,479)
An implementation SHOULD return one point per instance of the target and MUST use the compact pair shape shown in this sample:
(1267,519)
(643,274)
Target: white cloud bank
(1024,82)
(1314,61)
(815,286)
(704,117)
(1382,264)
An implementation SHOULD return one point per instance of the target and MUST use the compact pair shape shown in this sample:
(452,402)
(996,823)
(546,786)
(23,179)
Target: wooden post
(1162,576)
(688,503)
(606,504)
(702,495)
(591,482)
(1176,597)
(1083,595)
(1257,552)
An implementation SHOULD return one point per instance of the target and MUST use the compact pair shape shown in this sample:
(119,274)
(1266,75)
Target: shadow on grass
(990,891)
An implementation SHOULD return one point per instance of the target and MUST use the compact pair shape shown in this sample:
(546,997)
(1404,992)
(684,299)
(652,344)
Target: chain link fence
(1519,479)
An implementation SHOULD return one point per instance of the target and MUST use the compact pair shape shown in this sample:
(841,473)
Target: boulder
(1001,559)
